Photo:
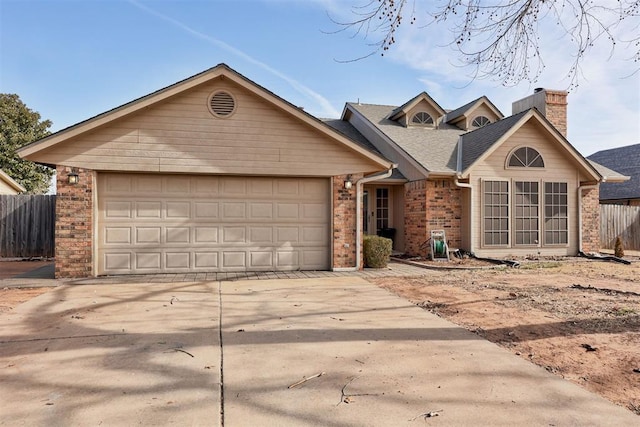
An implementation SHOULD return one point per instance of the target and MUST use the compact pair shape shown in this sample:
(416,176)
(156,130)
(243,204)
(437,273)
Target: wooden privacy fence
(623,221)
(27,226)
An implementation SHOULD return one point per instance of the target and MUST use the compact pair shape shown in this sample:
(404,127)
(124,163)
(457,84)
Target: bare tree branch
(500,39)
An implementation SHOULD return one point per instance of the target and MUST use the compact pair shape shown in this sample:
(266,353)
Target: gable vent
(222,104)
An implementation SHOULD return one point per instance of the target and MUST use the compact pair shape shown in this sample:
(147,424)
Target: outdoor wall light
(72,178)
(348,184)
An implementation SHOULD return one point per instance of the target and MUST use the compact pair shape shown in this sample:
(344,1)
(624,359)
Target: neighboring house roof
(434,149)
(625,161)
(10,183)
(465,109)
(189,83)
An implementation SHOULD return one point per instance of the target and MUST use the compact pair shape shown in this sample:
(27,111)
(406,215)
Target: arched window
(422,118)
(480,121)
(526,157)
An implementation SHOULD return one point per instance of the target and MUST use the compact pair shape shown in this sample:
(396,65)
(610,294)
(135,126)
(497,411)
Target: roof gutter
(470,187)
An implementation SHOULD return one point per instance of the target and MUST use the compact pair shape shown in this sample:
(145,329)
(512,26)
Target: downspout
(470,187)
(580,188)
(359,184)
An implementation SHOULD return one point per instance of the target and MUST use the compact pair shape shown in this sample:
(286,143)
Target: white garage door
(175,223)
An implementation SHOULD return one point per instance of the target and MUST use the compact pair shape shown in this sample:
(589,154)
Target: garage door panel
(118,262)
(164,223)
(287,211)
(178,210)
(148,260)
(261,235)
(148,209)
(234,260)
(117,235)
(118,210)
(148,235)
(206,260)
(261,259)
(206,234)
(177,234)
(287,234)
(179,260)
(206,210)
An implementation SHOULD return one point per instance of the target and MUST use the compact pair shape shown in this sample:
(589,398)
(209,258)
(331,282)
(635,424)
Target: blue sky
(72,59)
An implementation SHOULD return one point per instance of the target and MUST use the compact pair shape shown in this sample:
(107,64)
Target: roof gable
(404,109)
(477,145)
(468,109)
(10,183)
(221,72)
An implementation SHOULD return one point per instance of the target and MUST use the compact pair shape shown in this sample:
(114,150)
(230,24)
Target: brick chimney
(551,103)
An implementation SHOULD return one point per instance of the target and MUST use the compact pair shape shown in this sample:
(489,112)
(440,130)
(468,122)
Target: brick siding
(431,205)
(591,220)
(74,224)
(344,222)
(556,109)
(415,217)
(444,210)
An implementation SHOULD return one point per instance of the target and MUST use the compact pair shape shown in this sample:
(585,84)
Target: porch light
(348,184)
(72,178)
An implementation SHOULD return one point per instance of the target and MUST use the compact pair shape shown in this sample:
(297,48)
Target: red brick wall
(74,224)
(556,109)
(431,205)
(444,210)
(591,220)
(344,222)
(415,217)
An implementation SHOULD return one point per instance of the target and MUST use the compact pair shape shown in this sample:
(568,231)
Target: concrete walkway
(225,353)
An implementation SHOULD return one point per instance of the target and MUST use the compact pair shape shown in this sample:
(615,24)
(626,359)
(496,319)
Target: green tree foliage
(18,127)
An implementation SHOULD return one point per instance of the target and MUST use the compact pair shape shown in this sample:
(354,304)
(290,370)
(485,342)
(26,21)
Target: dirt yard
(578,319)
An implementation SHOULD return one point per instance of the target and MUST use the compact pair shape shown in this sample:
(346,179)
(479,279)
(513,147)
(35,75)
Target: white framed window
(496,213)
(382,208)
(525,157)
(525,213)
(556,214)
(526,216)
(422,118)
(480,121)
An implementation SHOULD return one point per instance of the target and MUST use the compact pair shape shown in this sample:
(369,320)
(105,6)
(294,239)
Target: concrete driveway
(226,353)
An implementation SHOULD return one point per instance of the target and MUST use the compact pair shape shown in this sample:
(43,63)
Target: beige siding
(424,106)
(181,135)
(6,188)
(482,110)
(559,167)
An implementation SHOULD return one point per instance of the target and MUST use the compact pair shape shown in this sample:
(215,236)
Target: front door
(382,209)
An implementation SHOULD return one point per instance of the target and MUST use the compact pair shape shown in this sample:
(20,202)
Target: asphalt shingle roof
(435,149)
(478,141)
(626,161)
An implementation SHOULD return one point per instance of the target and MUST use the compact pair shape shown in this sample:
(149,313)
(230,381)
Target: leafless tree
(500,39)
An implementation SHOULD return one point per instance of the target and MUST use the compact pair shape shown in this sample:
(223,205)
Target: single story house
(625,160)
(216,173)
(8,185)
